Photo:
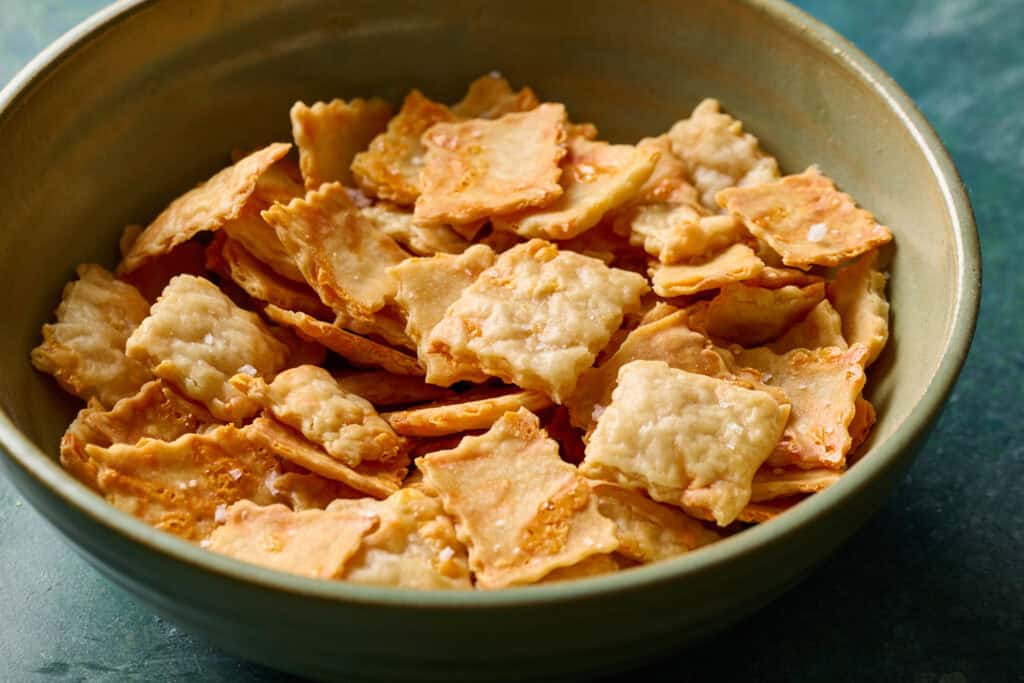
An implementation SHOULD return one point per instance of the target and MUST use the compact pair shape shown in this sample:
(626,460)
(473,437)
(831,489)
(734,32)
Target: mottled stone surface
(931,591)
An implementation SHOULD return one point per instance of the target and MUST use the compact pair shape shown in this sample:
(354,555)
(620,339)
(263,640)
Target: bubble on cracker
(683,437)
(195,338)
(330,134)
(84,349)
(520,510)
(806,219)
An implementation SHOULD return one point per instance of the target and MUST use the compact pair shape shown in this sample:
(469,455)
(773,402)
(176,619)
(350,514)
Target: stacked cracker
(476,346)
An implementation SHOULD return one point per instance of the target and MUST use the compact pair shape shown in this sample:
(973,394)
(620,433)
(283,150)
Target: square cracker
(536,318)
(205,208)
(315,543)
(735,263)
(648,531)
(85,348)
(308,399)
(596,178)
(415,545)
(390,168)
(330,134)
(353,348)
(491,97)
(479,168)
(806,219)
(196,339)
(858,294)
(476,409)
(823,385)
(178,486)
(685,438)
(520,510)
(342,255)
(718,153)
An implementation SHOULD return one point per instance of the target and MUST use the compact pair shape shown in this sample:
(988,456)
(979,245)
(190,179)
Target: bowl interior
(144,108)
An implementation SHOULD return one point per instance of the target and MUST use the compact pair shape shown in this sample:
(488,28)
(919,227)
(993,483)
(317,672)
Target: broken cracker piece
(685,438)
(520,510)
(308,399)
(479,168)
(196,339)
(734,264)
(596,178)
(314,543)
(390,168)
(858,294)
(806,219)
(536,318)
(330,134)
(84,349)
(202,209)
(342,255)
(478,409)
(353,348)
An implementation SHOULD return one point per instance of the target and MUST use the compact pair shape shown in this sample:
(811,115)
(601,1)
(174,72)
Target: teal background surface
(931,590)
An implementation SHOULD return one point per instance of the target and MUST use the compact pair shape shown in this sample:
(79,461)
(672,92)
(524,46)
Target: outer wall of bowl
(135,105)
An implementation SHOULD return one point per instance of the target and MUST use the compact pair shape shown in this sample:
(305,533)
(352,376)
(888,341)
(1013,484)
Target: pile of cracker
(475,346)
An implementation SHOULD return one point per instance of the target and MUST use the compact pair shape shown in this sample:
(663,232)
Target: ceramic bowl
(139,102)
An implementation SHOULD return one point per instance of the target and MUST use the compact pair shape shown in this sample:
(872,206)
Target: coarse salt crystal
(817,232)
(446,554)
(236,474)
(207,338)
(192,483)
(247,370)
(597,412)
(220,515)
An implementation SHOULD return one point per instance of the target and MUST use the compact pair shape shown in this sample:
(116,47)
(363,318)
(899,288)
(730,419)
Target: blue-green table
(930,591)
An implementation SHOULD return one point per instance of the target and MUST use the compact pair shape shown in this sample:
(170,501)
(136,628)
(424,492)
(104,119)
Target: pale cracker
(536,318)
(718,153)
(85,348)
(476,409)
(687,439)
(330,134)
(858,293)
(386,325)
(491,97)
(204,208)
(780,482)
(754,315)
(518,508)
(734,264)
(675,232)
(806,219)
(421,240)
(480,168)
(821,327)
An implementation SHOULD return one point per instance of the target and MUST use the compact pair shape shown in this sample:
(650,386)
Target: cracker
(390,168)
(718,154)
(260,240)
(377,479)
(596,178)
(353,348)
(536,318)
(806,219)
(858,293)
(672,232)
(196,339)
(478,409)
(314,543)
(421,240)
(339,251)
(309,400)
(754,315)
(178,486)
(595,565)
(687,439)
(670,179)
(778,482)
(775,277)
(386,389)
(428,286)
(479,168)
(491,97)
(752,513)
(84,349)
(667,339)
(305,490)
(230,259)
(734,264)
(519,509)
(386,325)
(648,531)
(861,424)
(822,385)
(415,545)
(330,134)
(821,327)
(202,209)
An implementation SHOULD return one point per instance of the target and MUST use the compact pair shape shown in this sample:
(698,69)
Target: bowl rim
(49,474)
